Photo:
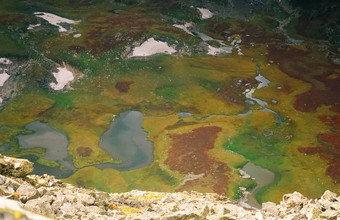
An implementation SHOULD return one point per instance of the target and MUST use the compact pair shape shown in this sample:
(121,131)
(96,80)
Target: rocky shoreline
(24,196)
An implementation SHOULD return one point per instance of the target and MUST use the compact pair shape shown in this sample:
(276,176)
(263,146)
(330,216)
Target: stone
(294,200)
(2,179)
(26,192)
(15,167)
(94,209)
(68,210)
(269,209)
(41,206)
(10,209)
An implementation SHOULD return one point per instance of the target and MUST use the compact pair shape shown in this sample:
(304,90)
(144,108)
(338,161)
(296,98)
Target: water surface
(127,142)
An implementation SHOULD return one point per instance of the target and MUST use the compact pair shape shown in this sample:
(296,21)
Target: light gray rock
(95,209)
(41,206)
(68,210)
(2,179)
(269,209)
(26,192)
(10,209)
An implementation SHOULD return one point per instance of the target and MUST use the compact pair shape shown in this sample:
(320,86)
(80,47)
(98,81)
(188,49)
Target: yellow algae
(113,206)
(24,109)
(262,121)
(108,180)
(129,210)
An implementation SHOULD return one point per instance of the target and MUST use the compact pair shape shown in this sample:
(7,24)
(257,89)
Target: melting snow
(205,13)
(63,76)
(151,47)
(77,35)
(31,26)
(54,19)
(185,27)
(5,61)
(3,78)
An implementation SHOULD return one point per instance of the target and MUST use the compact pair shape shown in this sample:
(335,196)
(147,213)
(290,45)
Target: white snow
(5,61)
(205,13)
(185,27)
(77,35)
(151,47)
(63,76)
(54,19)
(215,51)
(3,78)
(31,26)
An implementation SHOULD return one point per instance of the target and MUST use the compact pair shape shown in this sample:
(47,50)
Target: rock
(2,179)
(269,209)
(294,200)
(50,197)
(15,167)
(68,210)
(94,209)
(86,199)
(10,209)
(26,192)
(41,206)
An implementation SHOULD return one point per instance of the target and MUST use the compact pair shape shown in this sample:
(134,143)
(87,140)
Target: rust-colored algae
(84,151)
(108,31)
(189,156)
(123,87)
(311,150)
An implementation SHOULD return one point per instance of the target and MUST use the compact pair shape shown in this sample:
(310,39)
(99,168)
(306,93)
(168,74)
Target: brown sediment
(84,151)
(188,155)
(124,86)
(309,67)
(249,33)
(311,150)
(330,152)
(333,121)
(315,98)
(11,19)
(233,91)
(174,30)
(108,31)
(333,140)
(333,169)
(77,48)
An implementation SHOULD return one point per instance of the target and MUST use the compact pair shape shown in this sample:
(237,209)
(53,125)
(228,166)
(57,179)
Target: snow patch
(54,19)
(77,35)
(32,26)
(5,61)
(63,76)
(185,27)
(151,47)
(3,78)
(215,51)
(205,13)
